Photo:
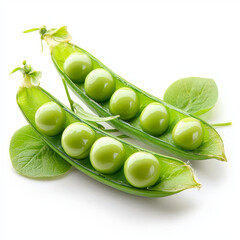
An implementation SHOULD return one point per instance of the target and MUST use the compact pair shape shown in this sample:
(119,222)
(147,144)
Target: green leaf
(193,95)
(89,117)
(32,157)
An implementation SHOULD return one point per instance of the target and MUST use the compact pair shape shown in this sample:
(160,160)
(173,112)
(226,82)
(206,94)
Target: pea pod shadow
(209,170)
(112,200)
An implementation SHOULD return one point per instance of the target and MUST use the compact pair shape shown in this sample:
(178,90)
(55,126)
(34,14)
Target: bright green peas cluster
(107,155)
(188,133)
(124,102)
(77,140)
(77,66)
(142,169)
(50,119)
(154,119)
(99,85)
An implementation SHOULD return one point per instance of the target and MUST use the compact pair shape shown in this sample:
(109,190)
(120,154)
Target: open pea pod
(61,49)
(175,175)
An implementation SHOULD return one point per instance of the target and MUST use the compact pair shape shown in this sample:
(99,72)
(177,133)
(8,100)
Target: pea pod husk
(175,177)
(211,147)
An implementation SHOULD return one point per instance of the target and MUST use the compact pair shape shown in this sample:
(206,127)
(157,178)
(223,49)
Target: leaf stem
(111,130)
(100,126)
(122,136)
(222,124)
(68,95)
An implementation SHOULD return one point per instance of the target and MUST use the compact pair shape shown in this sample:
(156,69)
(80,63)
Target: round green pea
(107,155)
(142,169)
(124,102)
(77,66)
(77,140)
(188,133)
(50,119)
(154,119)
(99,85)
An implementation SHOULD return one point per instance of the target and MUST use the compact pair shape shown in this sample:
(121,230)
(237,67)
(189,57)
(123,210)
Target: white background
(151,44)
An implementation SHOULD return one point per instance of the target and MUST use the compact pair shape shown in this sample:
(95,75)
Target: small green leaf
(15,70)
(193,95)
(35,77)
(32,157)
(31,30)
(89,117)
(59,34)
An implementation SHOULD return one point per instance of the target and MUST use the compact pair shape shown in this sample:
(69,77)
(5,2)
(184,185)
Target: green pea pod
(212,144)
(175,175)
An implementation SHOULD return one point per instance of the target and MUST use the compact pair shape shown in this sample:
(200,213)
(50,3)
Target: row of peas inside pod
(106,154)
(154,118)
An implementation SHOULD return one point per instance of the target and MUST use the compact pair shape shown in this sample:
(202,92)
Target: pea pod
(175,175)
(212,144)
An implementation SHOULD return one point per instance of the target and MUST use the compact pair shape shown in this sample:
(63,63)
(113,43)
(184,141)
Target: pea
(188,133)
(99,85)
(124,102)
(154,119)
(77,66)
(107,155)
(77,140)
(50,119)
(142,169)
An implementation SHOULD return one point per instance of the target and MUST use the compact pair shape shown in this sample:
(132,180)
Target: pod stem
(68,95)
(76,108)
(52,36)
(221,124)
